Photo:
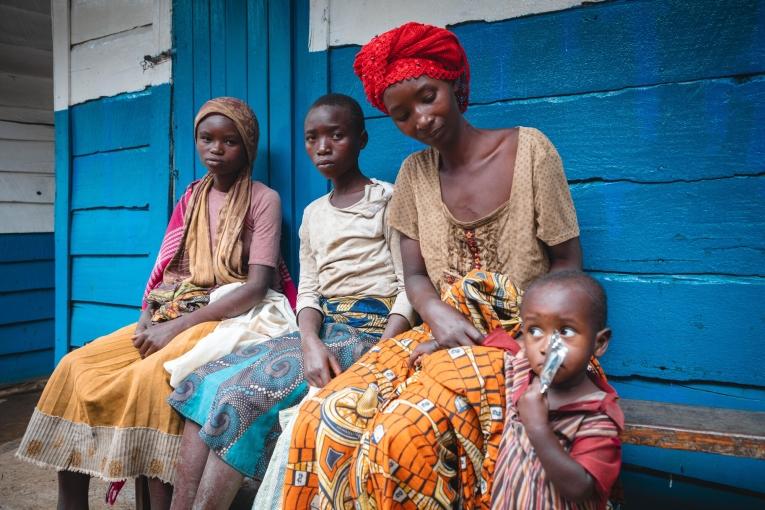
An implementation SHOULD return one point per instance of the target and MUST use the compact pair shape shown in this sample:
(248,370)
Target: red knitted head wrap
(410,51)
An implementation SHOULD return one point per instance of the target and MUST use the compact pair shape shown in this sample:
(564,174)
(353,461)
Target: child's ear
(363,139)
(602,338)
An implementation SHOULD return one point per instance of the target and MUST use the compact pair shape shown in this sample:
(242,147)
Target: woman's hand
(450,328)
(319,364)
(154,338)
(533,408)
(144,321)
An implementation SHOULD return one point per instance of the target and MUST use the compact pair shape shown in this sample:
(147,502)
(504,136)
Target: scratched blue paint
(600,135)
(92,320)
(623,44)
(709,394)
(664,490)
(26,306)
(113,190)
(21,337)
(28,365)
(723,469)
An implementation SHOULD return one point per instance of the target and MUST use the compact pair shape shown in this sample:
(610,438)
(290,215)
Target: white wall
(339,22)
(107,41)
(26,117)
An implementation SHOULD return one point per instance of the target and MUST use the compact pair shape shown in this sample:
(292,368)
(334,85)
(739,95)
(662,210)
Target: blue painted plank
(160,201)
(26,305)
(715,226)
(686,328)
(686,131)
(96,177)
(606,46)
(113,232)
(26,336)
(281,118)
(660,491)
(110,280)
(22,247)
(110,124)
(183,97)
(257,80)
(235,37)
(29,365)
(734,471)
(218,48)
(62,232)
(37,274)
(708,394)
(91,321)
(312,83)
(202,64)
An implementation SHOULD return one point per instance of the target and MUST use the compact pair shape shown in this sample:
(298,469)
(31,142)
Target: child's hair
(585,282)
(343,101)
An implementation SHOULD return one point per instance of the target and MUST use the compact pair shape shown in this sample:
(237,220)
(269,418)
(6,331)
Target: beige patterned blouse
(509,240)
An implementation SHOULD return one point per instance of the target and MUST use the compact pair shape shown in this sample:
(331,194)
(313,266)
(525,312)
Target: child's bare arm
(319,365)
(396,324)
(569,477)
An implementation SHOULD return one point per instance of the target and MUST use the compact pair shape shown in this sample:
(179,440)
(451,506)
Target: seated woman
(351,292)
(103,411)
(490,200)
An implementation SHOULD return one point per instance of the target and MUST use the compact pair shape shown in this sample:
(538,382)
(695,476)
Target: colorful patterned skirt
(104,412)
(383,436)
(236,399)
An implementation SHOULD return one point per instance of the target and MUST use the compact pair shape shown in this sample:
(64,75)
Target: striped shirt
(587,429)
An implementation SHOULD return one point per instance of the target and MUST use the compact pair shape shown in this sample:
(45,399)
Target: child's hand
(533,408)
(154,338)
(450,328)
(419,352)
(319,364)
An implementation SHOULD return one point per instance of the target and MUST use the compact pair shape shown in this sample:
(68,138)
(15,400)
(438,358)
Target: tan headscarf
(195,263)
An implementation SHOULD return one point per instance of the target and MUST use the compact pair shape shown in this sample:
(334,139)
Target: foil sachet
(556,353)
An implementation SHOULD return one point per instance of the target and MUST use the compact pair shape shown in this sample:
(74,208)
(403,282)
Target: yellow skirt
(104,411)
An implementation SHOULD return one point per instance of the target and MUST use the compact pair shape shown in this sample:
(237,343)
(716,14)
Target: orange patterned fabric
(382,436)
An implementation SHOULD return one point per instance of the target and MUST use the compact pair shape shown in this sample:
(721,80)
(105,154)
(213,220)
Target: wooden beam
(694,428)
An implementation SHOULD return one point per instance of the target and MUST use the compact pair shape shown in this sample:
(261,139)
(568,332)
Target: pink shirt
(262,226)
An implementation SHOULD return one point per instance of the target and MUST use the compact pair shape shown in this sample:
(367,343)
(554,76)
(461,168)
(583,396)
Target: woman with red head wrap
(481,214)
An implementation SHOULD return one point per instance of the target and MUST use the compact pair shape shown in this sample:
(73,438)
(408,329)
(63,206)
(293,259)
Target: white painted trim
(61,53)
(357,21)
(318,25)
(163,25)
(93,19)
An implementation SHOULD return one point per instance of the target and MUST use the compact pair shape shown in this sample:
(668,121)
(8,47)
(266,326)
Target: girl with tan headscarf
(104,412)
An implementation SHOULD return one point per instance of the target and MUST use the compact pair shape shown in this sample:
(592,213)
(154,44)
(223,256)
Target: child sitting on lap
(560,449)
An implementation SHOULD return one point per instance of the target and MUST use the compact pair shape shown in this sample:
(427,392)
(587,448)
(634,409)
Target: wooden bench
(694,428)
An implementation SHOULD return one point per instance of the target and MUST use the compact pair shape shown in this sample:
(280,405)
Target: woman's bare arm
(565,256)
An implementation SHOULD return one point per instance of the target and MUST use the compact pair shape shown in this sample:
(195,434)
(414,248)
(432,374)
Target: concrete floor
(27,487)
(24,486)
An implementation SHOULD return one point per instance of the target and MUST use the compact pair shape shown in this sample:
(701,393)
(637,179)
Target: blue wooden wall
(26,306)
(658,111)
(254,50)
(113,185)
